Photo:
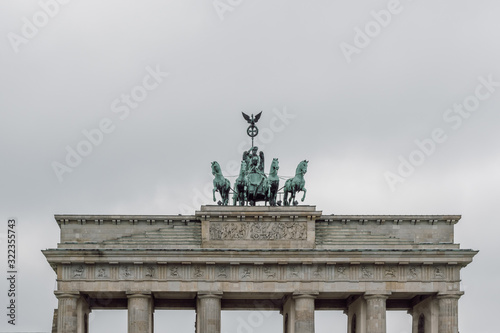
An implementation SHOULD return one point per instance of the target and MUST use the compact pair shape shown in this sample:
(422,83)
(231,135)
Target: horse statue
(221,184)
(296,184)
(273,183)
(241,186)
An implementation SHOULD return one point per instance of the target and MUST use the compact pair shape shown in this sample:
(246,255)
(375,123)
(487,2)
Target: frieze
(258,231)
(261,272)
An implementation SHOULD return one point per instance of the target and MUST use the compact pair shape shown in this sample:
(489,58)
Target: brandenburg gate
(293,259)
(277,256)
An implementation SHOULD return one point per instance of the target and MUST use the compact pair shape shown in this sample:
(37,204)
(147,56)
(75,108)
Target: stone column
(208,312)
(67,314)
(304,312)
(448,312)
(375,313)
(140,312)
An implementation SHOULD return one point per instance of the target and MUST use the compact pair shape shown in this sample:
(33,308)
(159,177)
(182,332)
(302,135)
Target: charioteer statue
(254,161)
(252,184)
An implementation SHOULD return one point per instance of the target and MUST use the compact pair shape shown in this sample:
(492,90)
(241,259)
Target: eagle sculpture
(252,120)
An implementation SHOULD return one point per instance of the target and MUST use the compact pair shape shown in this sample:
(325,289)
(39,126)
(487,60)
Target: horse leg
(304,196)
(213,192)
(235,195)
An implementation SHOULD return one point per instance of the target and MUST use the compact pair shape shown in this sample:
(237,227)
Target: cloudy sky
(394,103)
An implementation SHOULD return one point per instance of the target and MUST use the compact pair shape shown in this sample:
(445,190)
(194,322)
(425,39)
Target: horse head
(215,168)
(302,168)
(275,165)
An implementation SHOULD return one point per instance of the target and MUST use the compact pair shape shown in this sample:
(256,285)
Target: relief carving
(413,273)
(246,273)
(174,271)
(318,272)
(125,272)
(342,272)
(198,272)
(78,271)
(439,273)
(102,273)
(269,272)
(390,272)
(258,231)
(294,272)
(222,272)
(366,272)
(150,272)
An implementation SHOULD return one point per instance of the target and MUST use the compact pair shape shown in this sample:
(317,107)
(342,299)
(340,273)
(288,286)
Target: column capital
(377,295)
(139,294)
(450,295)
(209,294)
(66,294)
(305,294)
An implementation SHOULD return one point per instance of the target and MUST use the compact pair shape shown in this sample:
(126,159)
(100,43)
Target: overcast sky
(394,104)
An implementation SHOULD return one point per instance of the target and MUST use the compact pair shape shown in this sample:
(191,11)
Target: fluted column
(375,313)
(209,312)
(67,314)
(304,312)
(140,312)
(448,312)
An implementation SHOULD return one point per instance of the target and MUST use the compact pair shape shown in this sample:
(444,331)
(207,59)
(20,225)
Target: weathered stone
(236,257)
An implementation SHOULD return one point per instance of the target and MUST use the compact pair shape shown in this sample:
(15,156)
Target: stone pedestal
(208,312)
(140,313)
(375,313)
(67,317)
(304,312)
(448,313)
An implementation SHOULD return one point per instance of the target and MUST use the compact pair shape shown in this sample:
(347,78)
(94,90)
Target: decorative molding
(258,230)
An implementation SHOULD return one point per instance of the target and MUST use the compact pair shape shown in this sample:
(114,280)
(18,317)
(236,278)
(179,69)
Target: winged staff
(252,130)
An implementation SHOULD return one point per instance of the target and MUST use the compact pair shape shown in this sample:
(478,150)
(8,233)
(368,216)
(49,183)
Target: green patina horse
(296,184)
(241,186)
(273,182)
(221,184)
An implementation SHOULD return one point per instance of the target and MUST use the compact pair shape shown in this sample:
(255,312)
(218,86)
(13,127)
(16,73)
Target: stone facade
(293,259)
